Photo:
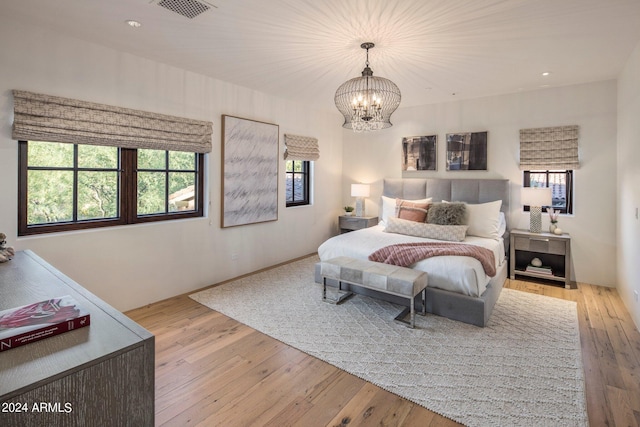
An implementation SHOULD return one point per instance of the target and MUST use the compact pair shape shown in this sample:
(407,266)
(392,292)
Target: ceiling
(434,50)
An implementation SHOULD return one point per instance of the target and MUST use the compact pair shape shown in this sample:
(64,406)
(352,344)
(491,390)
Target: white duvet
(452,273)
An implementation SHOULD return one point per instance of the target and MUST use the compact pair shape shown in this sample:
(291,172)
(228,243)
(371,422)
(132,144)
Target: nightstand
(350,223)
(554,250)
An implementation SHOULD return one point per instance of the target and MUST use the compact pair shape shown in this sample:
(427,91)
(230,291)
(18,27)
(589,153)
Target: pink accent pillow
(406,209)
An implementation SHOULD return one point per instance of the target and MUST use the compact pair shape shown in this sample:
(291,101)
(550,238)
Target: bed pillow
(389,207)
(451,233)
(446,213)
(484,219)
(502,227)
(412,211)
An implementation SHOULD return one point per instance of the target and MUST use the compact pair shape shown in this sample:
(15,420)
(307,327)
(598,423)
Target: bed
(459,287)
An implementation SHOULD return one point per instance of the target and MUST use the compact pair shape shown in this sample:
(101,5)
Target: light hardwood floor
(212,370)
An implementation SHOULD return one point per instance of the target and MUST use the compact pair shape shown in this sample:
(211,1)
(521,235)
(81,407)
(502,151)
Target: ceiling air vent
(188,8)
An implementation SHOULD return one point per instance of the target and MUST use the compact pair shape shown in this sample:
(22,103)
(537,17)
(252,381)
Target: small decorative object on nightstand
(553,220)
(351,223)
(541,255)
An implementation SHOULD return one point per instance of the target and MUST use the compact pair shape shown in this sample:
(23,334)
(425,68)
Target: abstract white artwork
(249,171)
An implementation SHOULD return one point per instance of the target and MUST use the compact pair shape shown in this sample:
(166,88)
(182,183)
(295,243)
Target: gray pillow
(446,213)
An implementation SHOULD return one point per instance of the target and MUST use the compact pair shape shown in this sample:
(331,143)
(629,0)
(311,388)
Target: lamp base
(535,219)
(359,206)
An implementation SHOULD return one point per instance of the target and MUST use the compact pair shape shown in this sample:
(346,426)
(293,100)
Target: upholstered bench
(390,279)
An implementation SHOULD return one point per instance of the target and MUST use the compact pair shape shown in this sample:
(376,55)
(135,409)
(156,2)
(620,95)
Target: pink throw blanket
(405,254)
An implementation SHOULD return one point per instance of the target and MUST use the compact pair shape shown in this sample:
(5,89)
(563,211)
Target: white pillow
(502,227)
(389,207)
(451,233)
(484,219)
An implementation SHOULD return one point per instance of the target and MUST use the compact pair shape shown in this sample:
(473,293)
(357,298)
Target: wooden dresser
(102,374)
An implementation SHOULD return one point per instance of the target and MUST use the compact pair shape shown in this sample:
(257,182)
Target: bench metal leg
(342,295)
(409,310)
(412,311)
(401,317)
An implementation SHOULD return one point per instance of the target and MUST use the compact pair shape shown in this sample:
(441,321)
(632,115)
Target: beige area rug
(523,369)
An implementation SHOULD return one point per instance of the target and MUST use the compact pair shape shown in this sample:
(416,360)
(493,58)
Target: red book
(44,319)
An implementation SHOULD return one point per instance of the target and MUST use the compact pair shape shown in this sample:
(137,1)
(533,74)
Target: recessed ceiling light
(546,73)
(133,23)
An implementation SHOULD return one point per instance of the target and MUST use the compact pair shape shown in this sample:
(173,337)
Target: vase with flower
(553,218)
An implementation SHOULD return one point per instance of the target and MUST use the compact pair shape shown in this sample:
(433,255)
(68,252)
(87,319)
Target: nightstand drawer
(540,244)
(350,223)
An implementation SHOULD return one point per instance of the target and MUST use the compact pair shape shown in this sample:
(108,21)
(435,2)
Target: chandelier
(367,102)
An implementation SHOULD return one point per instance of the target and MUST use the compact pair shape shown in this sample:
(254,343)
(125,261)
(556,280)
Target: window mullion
(128,198)
(75,183)
(166,182)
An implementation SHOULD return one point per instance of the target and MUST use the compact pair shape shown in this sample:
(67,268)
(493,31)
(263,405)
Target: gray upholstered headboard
(453,190)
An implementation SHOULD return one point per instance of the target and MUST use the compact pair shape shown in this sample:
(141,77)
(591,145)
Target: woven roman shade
(301,148)
(552,148)
(40,117)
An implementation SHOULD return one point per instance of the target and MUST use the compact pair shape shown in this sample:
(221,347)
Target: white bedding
(452,273)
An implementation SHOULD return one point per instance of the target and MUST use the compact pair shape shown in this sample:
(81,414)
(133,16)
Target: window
(298,182)
(166,182)
(75,186)
(561,184)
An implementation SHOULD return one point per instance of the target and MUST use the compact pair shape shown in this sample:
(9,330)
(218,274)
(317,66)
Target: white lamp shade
(532,196)
(360,190)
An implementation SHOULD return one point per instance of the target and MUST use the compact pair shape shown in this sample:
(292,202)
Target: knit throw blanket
(405,254)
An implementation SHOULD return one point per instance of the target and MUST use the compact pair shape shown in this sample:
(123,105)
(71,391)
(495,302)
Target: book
(539,270)
(40,320)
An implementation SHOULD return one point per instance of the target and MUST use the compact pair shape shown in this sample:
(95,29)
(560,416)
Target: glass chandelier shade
(367,102)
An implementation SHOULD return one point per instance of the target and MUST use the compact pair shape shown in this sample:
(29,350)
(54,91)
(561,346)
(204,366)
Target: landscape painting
(467,151)
(249,171)
(419,153)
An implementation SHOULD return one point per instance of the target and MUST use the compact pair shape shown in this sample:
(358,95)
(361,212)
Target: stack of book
(539,270)
(44,319)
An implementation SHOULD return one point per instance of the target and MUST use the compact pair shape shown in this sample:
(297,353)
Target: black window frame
(526,182)
(305,174)
(127,195)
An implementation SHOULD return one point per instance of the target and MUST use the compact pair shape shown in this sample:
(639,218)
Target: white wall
(132,266)
(371,157)
(628,176)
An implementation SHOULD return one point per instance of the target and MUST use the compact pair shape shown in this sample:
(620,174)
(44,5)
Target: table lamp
(536,198)
(360,191)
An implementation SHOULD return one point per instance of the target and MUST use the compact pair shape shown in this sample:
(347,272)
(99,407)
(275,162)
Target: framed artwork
(419,153)
(467,151)
(249,171)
